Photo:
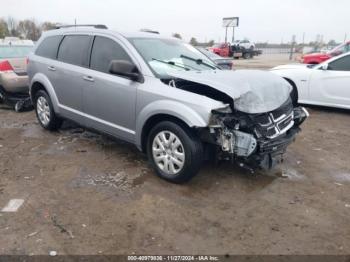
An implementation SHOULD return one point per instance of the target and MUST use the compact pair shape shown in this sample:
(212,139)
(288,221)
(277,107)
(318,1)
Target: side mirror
(324,67)
(126,69)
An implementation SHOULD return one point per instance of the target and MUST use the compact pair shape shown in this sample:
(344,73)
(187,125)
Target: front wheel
(174,151)
(45,112)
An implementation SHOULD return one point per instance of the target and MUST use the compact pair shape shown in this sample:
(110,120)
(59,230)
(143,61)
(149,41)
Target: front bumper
(270,153)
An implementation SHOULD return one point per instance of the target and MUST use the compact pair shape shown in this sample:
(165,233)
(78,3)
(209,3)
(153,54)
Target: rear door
(332,86)
(69,70)
(109,100)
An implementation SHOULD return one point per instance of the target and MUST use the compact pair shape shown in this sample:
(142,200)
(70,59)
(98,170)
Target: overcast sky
(260,20)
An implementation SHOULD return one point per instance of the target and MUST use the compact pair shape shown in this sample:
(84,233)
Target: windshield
(167,55)
(14,51)
(343,48)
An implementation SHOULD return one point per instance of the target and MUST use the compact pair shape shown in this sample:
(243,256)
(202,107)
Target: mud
(87,194)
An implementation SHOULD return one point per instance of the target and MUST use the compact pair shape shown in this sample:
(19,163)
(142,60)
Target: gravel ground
(87,194)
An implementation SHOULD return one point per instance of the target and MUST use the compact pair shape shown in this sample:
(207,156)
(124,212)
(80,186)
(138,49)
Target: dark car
(223,63)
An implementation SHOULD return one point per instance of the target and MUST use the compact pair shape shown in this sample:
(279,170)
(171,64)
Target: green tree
(4,31)
(193,41)
(177,35)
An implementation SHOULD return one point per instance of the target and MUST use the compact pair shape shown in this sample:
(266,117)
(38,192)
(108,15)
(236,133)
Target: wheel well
(152,121)
(35,88)
(294,88)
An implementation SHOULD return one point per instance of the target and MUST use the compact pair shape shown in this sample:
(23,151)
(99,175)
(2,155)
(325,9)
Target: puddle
(343,177)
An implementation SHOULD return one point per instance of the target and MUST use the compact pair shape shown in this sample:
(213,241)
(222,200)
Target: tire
(44,111)
(189,153)
(246,55)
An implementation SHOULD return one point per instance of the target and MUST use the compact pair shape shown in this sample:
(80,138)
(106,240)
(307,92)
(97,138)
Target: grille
(273,124)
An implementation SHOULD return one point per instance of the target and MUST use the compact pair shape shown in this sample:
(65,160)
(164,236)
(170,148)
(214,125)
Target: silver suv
(164,96)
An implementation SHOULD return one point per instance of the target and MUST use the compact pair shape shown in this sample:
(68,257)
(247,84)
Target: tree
(211,43)
(177,35)
(47,26)
(4,31)
(193,41)
(332,43)
(12,26)
(29,30)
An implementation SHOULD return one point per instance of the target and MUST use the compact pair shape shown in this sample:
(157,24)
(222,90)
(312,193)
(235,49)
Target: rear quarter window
(48,47)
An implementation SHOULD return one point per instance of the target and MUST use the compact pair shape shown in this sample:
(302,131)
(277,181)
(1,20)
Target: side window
(341,64)
(74,50)
(48,47)
(104,51)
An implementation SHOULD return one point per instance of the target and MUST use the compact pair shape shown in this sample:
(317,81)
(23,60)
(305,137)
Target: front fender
(173,108)
(43,80)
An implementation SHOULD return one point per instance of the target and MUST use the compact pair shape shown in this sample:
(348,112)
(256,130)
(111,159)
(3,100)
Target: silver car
(164,96)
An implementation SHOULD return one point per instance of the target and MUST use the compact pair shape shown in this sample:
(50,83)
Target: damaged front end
(256,140)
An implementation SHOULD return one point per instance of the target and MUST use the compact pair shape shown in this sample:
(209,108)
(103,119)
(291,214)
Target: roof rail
(96,26)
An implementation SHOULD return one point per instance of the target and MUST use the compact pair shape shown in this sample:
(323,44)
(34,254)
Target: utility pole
(292,48)
(233,34)
(303,38)
(75,22)
(226,34)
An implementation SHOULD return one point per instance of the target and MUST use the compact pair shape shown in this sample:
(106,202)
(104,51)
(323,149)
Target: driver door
(109,100)
(332,86)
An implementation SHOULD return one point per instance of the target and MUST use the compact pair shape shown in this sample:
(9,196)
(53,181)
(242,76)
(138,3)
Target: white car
(244,43)
(325,84)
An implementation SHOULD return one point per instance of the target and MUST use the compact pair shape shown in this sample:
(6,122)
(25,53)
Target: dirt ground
(87,194)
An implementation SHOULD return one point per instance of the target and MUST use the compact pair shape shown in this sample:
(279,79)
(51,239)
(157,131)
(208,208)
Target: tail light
(5,66)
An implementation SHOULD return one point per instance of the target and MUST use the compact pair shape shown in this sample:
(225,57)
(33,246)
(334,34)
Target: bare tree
(47,26)
(12,26)
(28,29)
(193,41)
(4,31)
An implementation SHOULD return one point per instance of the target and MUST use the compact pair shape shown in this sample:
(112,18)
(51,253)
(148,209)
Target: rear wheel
(175,153)
(45,112)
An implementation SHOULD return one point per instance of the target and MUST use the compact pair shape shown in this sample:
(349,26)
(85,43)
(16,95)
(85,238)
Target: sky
(272,21)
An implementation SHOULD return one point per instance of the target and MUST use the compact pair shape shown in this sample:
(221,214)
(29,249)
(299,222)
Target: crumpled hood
(253,91)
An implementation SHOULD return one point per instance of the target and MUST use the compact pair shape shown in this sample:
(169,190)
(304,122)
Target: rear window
(74,50)
(48,47)
(14,51)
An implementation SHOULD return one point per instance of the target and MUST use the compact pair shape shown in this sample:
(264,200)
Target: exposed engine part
(238,143)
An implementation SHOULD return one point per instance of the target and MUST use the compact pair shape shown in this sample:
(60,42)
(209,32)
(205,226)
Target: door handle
(89,78)
(51,68)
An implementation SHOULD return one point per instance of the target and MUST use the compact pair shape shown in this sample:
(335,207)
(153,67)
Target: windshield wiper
(198,61)
(171,63)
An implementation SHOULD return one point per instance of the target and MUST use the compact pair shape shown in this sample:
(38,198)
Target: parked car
(223,63)
(325,84)
(13,72)
(319,57)
(164,96)
(244,43)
